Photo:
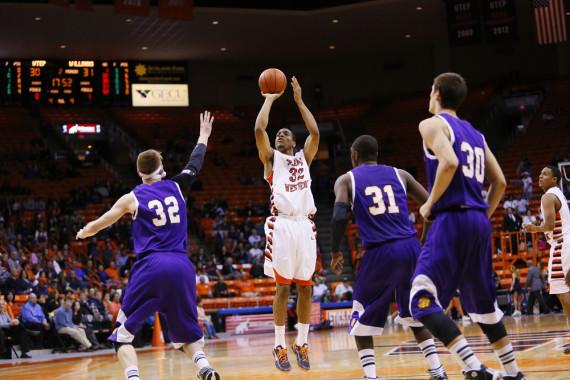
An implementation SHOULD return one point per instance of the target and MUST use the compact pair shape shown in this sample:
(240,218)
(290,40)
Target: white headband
(158,174)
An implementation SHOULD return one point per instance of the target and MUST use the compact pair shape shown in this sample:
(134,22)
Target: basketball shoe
(208,373)
(518,376)
(302,353)
(281,359)
(483,373)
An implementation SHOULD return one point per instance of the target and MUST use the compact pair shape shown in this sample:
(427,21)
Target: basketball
(272,81)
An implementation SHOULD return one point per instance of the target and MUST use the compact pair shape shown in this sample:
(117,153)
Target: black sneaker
(518,376)
(483,373)
(281,359)
(302,353)
(439,377)
(25,356)
(208,373)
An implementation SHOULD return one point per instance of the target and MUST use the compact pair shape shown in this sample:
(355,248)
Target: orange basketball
(272,81)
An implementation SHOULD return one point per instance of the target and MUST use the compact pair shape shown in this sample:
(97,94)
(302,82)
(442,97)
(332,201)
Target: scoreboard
(78,82)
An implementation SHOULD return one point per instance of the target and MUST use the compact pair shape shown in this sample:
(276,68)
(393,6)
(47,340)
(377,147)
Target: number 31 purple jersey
(379,204)
(160,223)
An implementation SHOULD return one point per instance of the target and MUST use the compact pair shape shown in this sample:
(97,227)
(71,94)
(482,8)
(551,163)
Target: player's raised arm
(127,204)
(312,143)
(342,191)
(188,175)
(438,142)
(497,181)
(261,137)
(549,203)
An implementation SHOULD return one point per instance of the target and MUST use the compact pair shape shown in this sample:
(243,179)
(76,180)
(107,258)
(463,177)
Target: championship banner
(133,7)
(338,317)
(160,95)
(176,9)
(250,324)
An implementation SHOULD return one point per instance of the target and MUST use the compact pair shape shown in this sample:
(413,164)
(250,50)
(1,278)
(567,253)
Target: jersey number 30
(475,162)
(172,210)
(379,207)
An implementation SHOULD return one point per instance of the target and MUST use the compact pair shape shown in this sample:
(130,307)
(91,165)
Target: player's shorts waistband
(295,217)
(141,256)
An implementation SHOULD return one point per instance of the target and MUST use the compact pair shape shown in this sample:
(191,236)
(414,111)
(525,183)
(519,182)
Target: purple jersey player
(162,279)
(378,195)
(457,252)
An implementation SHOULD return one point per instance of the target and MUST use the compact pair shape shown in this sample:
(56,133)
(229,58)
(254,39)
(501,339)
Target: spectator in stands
(10,326)
(210,330)
(257,270)
(96,303)
(254,237)
(512,222)
(33,317)
(12,307)
(528,218)
(115,305)
(343,291)
(534,285)
(320,288)
(516,290)
(113,273)
(526,185)
(522,206)
(19,282)
(255,252)
(229,271)
(202,275)
(202,288)
(14,262)
(523,166)
(82,320)
(64,324)
(509,203)
(221,288)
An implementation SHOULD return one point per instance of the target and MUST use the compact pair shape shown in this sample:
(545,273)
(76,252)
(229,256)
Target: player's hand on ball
(337,262)
(297,92)
(206,120)
(271,97)
(425,211)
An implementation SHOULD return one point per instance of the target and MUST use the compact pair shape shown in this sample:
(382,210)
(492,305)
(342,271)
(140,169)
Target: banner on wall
(160,95)
(250,324)
(338,317)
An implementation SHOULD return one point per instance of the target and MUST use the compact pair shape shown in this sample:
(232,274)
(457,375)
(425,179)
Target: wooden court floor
(538,340)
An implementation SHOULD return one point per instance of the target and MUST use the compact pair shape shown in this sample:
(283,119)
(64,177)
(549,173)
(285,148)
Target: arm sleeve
(188,175)
(338,223)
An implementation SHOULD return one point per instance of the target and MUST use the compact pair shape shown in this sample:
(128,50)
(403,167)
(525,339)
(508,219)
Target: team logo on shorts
(424,302)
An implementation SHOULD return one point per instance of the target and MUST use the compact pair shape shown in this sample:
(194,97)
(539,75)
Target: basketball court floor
(539,342)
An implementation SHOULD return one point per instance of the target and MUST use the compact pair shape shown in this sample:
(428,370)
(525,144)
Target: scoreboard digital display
(81,82)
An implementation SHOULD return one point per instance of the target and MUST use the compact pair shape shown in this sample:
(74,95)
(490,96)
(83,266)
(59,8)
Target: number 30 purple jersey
(160,223)
(466,187)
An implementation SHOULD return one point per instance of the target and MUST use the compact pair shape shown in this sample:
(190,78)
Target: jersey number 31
(379,207)
(172,210)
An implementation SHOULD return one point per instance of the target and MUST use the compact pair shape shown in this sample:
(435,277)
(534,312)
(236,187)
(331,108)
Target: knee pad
(441,327)
(494,332)
(118,345)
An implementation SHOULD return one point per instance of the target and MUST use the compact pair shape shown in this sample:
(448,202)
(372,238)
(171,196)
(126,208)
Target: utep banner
(250,324)
(175,9)
(133,7)
(338,317)
(160,95)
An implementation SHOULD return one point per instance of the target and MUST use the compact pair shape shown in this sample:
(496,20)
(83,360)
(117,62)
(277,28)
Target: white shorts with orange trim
(558,266)
(291,250)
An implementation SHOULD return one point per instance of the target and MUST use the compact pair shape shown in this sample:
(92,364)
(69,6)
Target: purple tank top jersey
(379,204)
(466,187)
(160,223)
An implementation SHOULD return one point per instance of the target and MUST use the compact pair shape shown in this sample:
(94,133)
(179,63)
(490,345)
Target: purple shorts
(165,283)
(385,274)
(457,255)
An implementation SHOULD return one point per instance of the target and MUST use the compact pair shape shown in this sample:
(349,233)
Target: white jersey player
(556,227)
(291,252)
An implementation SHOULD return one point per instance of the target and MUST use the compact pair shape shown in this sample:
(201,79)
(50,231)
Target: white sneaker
(466,318)
(517,313)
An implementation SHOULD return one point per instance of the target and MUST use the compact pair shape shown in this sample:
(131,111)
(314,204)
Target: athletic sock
(280,336)
(200,360)
(302,334)
(430,353)
(465,355)
(132,373)
(368,363)
(507,357)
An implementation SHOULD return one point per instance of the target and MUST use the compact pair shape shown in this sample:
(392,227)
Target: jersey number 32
(172,210)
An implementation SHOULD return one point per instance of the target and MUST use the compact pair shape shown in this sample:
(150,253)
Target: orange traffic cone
(157,337)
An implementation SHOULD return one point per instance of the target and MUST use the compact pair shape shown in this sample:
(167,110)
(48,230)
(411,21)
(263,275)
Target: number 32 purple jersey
(160,223)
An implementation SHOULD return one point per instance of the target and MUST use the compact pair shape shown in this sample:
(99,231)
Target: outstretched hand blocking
(206,120)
